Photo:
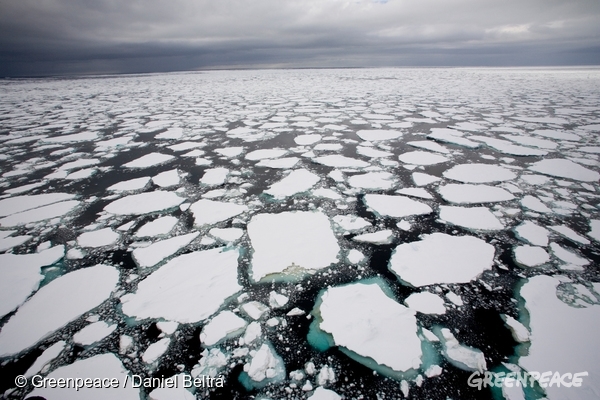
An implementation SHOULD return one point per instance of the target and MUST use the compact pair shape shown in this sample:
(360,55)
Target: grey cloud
(85,36)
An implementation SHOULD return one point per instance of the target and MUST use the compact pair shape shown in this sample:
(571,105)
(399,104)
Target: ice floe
(209,212)
(426,303)
(158,251)
(298,181)
(478,218)
(395,206)
(563,168)
(479,173)
(144,203)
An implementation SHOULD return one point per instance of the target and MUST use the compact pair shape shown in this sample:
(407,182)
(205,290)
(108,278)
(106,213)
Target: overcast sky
(53,37)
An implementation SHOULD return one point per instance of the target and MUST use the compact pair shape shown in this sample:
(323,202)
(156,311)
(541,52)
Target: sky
(65,37)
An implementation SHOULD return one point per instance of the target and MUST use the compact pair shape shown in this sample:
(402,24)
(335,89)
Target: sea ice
(462,356)
(293,239)
(478,218)
(426,303)
(56,304)
(429,145)
(130,185)
(160,226)
(144,203)
(227,234)
(534,204)
(569,234)
(166,178)
(149,160)
(266,365)
(351,223)
(421,158)
(40,214)
(373,180)
(364,320)
(214,176)
(151,255)
(532,233)
(208,212)
(567,256)
(381,237)
(45,358)
(441,258)
(565,169)
(261,154)
(93,333)
(530,256)
(422,179)
(298,181)
(99,238)
(373,135)
(479,173)
(321,393)
(187,289)
(467,193)
(335,160)
(155,350)
(395,206)
(223,326)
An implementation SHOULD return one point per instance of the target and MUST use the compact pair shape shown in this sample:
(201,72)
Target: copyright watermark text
(526,379)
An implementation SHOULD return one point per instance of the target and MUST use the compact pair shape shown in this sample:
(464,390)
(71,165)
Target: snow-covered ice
(479,173)
(478,218)
(395,206)
(473,194)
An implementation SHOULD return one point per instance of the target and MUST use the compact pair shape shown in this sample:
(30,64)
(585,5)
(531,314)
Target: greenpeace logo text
(525,379)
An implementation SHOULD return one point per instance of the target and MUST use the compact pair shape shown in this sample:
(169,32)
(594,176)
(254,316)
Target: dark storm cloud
(103,36)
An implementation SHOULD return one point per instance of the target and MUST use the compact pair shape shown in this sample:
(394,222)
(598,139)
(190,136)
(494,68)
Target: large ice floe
(301,234)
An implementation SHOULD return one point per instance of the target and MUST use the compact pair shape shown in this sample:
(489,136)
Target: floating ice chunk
(355,256)
(277,300)
(291,239)
(519,332)
(230,152)
(395,206)
(568,256)
(294,312)
(55,305)
(553,134)
(426,303)
(76,137)
(81,174)
(530,256)
(130,185)
(569,234)
(479,173)
(404,225)
(102,365)
(335,160)
(266,365)
(209,211)
(321,393)
(532,141)
(421,179)
(378,327)
(594,232)
(351,223)
(534,204)
(149,160)
(298,181)
(590,149)
(328,147)
(155,350)
(177,391)
(20,275)
(151,255)
(429,145)
(186,146)
(187,289)
(373,135)
(461,356)
(372,153)
(211,363)
(215,176)
(305,140)
(280,163)
(226,234)
(166,179)
(325,375)
(144,203)
(224,326)
(167,327)
(17,204)
(45,358)
(40,214)
(14,241)
(421,158)
(382,237)
(506,147)
(24,188)
(82,162)
(327,193)
(170,134)
(203,161)
(253,332)
(261,154)
(433,370)
(563,338)
(99,238)
(441,258)
(532,233)
(373,180)
(255,309)
(471,194)
(160,226)
(415,192)
(336,175)
(565,169)
(454,298)
(535,179)
(478,218)
(93,333)
(451,136)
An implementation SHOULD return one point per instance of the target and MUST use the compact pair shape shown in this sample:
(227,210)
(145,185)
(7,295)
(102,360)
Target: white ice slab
(160,226)
(279,163)
(144,203)
(298,181)
(338,161)
(223,326)
(441,258)
(563,168)
(214,176)
(467,193)
(227,234)
(262,154)
(460,355)
(155,350)
(534,204)
(99,238)
(151,255)
(266,364)
(594,232)
(479,173)
(166,178)
(374,135)
(56,304)
(288,239)
(209,212)
(533,233)
(351,223)
(530,256)
(563,338)
(395,206)
(130,185)
(17,204)
(422,158)
(429,145)
(187,289)
(378,327)
(421,179)
(93,333)
(373,180)
(45,358)
(102,365)
(426,303)
(385,236)
(478,218)
(569,234)
(149,160)
(567,256)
